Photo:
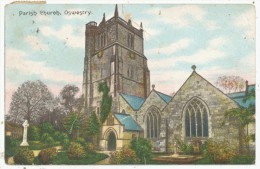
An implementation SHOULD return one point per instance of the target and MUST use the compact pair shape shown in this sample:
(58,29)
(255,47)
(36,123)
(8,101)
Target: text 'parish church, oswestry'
(114,53)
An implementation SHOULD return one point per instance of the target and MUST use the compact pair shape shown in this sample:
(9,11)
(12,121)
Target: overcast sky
(218,39)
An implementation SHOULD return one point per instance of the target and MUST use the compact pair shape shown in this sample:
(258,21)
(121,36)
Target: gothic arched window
(196,119)
(153,123)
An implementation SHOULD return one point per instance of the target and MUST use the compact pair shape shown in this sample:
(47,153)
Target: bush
(45,136)
(142,148)
(46,155)
(50,141)
(65,143)
(62,137)
(76,151)
(187,149)
(125,156)
(24,156)
(81,141)
(56,135)
(90,148)
(11,146)
(33,133)
(220,152)
(47,128)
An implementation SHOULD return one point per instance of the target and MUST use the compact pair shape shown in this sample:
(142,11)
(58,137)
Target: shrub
(50,141)
(65,143)
(220,152)
(56,135)
(187,149)
(125,156)
(76,151)
(62,137)
(142,148)
(81,141)
(44,136)
(11,146)
(46,155)
(47,128)
(33,133)
(90,148)
(24,156)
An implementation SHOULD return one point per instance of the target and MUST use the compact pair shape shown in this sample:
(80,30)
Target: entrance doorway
(111,142)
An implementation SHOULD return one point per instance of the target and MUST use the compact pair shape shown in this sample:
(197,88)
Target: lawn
(62,158)
(235,160)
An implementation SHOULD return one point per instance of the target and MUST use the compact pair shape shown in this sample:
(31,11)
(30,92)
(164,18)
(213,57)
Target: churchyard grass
(92,158)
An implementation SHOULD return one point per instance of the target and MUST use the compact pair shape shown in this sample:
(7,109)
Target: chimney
(246,92)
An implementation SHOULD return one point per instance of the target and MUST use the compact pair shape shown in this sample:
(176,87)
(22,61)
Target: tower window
(102,40)
(130,41)
(196,119)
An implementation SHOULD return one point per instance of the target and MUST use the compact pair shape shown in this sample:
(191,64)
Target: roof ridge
(163,93)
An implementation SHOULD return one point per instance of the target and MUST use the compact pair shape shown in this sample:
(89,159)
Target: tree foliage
(68,97)
(30,101)
(244,116)
(231,83)
(72,122)
(106,102)
(142,148)
(93,125)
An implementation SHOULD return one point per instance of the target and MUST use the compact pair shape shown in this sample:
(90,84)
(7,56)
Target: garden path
(106,161)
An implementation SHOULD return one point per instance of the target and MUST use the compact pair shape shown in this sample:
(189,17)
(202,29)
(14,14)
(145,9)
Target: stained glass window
(153,123)
(196,119)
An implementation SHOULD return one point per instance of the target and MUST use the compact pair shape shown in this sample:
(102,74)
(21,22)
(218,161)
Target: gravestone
(25,127)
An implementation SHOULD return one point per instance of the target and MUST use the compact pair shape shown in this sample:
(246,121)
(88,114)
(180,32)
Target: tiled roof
(240,96)
(128,122)
(251,87)
(246,104)
(165,97)
(235,95)
(134,101)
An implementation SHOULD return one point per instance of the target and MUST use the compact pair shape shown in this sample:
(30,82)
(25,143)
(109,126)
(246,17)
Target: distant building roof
(134,101)
(239,97)
(165,97)
(128,122)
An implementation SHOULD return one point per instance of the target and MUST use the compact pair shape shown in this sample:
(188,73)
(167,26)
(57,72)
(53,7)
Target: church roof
(240,96)
(165,97)
(128,122)
(134,101)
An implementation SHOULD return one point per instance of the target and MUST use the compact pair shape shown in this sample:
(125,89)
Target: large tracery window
(196,119)
(153,123)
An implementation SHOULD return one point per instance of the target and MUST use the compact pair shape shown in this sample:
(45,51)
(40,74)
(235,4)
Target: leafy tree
(72,122)
(106,102)
(33,133)
(92,126)
(231,83)
(30,101)
(244,116)
(47,128)
(68,97)
(142,148)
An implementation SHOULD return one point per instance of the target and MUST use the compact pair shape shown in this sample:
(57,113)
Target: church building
(114,53)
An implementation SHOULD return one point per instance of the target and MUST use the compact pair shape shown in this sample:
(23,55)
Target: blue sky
(218,39)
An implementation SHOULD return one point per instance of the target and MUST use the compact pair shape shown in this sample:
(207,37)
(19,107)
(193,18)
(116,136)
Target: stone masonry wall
(216,101)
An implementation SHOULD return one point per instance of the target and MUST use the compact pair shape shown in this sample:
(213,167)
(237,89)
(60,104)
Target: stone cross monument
(25,127)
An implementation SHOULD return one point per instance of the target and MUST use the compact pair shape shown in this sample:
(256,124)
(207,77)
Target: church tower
(114,53)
